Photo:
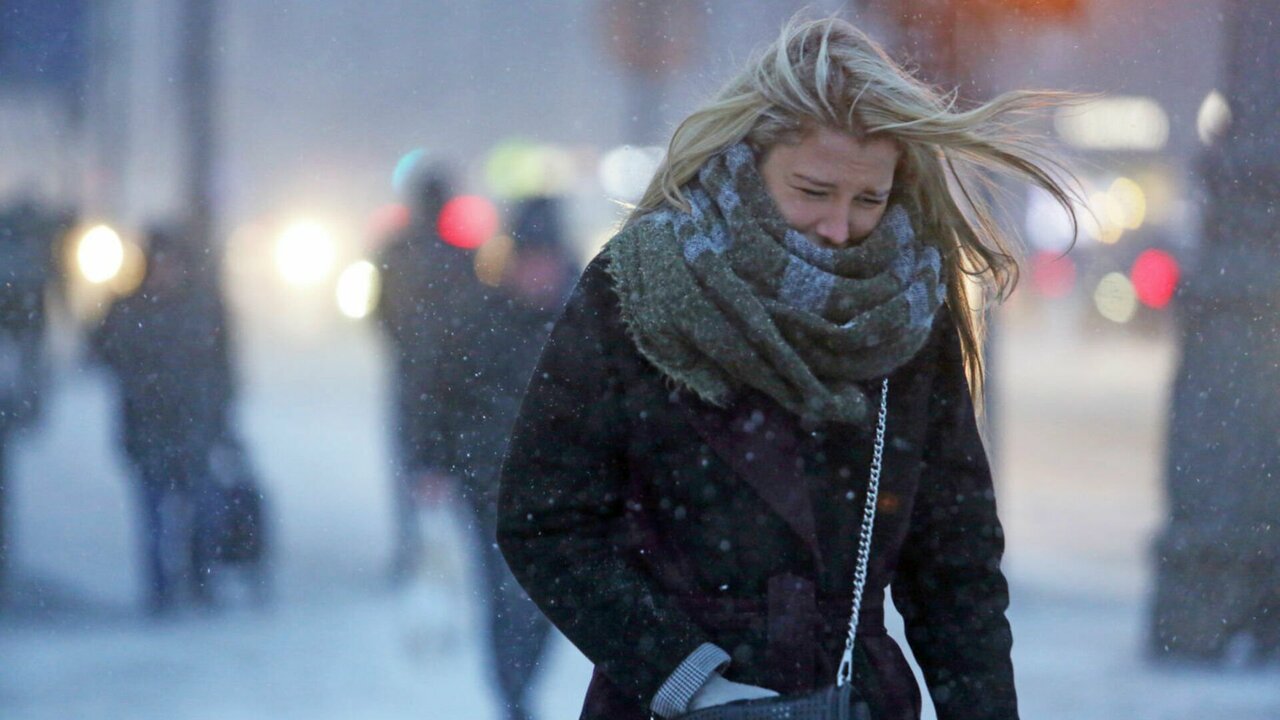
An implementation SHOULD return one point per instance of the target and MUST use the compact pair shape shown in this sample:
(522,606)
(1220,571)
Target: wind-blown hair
(827,72)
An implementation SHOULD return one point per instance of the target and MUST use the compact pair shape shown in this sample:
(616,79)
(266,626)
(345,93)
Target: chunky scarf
(729,295)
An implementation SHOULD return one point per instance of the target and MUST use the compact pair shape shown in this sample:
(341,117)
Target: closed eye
(812,193)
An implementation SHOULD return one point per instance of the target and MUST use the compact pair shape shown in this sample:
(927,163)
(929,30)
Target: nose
(834,227)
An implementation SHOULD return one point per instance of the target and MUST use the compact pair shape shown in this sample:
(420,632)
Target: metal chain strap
(864,540)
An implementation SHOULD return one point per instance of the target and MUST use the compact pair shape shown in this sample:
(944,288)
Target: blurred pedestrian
(464,351)
(533,280)
(697,465)
(167,347)
(429,294)
(30,235)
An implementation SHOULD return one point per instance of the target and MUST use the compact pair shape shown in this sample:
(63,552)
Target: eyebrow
(829,185)
(813,181)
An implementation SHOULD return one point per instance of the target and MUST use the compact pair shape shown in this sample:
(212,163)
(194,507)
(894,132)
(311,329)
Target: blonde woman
(684,490)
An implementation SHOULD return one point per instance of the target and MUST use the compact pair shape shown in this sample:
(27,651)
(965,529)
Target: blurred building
(321,100)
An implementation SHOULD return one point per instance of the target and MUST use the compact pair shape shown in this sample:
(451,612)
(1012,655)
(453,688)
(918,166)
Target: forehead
(840,159)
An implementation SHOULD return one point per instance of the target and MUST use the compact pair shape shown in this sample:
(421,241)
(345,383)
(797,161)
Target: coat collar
(759,440)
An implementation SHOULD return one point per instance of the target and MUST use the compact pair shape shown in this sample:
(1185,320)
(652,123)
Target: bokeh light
(1048,227)
(1161,193)
(1114,123)
(513,169)
(519,168)
(625,171)
(1090,229)
(406,167)
(357,290)
(100,254)
(1155,277)
(467,221)
(1052,274)
(1110,216)
(305,253)
(1214,117)
(1131,200)
(492,259)
(1115,299)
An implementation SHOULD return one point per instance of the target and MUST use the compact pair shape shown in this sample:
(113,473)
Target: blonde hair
(827,72)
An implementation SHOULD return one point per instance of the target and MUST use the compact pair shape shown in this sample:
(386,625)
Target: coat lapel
(757,441)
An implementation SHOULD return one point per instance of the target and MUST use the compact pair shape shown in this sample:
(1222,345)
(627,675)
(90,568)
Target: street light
(100,254)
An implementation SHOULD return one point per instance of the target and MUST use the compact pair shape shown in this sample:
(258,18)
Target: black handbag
(242,515)
(838,701)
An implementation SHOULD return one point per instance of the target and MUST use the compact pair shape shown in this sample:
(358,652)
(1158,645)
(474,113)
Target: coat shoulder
(591,321)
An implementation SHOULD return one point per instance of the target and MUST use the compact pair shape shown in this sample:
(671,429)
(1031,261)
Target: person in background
(533,282)
(684,490)
(427,298)
(464,350)
(30,235)
(166,346)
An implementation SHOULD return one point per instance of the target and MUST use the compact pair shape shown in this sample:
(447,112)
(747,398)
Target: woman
(682,495)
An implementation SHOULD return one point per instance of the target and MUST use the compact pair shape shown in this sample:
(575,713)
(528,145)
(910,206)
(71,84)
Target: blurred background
(282,146)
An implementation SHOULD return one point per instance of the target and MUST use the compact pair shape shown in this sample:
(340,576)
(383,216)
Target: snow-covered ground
(1079,447)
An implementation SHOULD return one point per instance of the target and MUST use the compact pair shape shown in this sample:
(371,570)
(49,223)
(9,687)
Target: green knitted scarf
(728,295)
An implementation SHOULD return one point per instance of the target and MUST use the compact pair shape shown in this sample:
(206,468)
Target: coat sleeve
(562,507)
(949,587)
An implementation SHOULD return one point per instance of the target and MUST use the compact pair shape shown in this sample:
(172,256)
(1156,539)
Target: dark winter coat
(169,352)
(464,353)
(426,308)
(645,522)
(484,396)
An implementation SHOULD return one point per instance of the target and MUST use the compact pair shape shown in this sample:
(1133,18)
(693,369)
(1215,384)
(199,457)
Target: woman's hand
(718,691)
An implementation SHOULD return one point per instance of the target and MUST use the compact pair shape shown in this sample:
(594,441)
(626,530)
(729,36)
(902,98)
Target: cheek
(863,221)
(798,215)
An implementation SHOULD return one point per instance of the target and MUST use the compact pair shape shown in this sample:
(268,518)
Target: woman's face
(831,186)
